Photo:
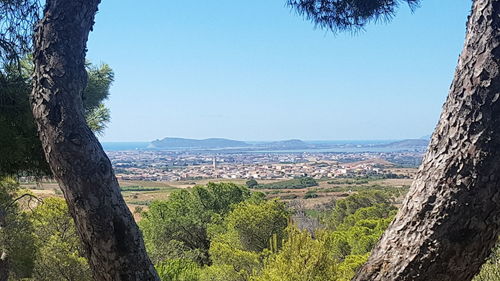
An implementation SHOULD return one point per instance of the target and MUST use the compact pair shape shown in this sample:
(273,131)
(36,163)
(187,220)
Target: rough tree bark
(112,240)
(450,218)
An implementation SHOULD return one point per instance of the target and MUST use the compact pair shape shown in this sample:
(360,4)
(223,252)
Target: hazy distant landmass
(222,144)
(287,144)
(180,143)
(407,143)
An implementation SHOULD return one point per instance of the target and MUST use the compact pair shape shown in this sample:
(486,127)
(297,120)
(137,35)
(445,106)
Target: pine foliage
(348,15)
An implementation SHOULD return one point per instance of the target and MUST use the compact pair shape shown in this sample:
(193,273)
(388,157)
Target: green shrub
(490,271)
(310,194)
(178,270)
(290,184)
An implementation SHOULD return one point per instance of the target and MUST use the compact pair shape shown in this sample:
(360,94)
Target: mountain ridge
(170,142)
(175,143)
(407,143)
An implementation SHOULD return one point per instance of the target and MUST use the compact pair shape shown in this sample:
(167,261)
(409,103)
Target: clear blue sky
(254,70)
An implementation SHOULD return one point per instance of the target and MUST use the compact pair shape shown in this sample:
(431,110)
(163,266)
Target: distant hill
(220,143)
(293,144)
(176,143)
(286,144)
(407,143)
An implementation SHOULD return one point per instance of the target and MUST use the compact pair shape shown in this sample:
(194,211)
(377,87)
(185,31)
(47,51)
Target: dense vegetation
(297,183)
(39,238)
(356,179)
(215,232)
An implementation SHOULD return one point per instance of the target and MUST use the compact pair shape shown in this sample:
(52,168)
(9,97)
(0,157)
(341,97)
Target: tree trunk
(112,240)
(450,218)
(4,258)
(4,266)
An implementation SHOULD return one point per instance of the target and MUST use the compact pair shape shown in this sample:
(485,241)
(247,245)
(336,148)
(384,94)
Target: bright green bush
(351,204)
(177,227)
(301,258)
(248,234)
(16,238)
(490,271)
(178,270)
(59,250)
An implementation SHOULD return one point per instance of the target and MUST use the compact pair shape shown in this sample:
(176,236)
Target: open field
(139,194)
(329,190)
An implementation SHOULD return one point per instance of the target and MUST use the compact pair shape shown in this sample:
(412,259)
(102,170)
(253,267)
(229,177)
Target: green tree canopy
(177,227)
(17,19)
(251,231)
(333,253)
(178,270)
(254,224)
(301,258)
(351,204)
(59,250)
(19,144)
(17,250)
(251,183)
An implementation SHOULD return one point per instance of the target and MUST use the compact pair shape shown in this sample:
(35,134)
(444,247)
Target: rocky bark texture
(450,218)
(111,238)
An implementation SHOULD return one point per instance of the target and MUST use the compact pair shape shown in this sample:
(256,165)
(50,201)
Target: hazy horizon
(267,140)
